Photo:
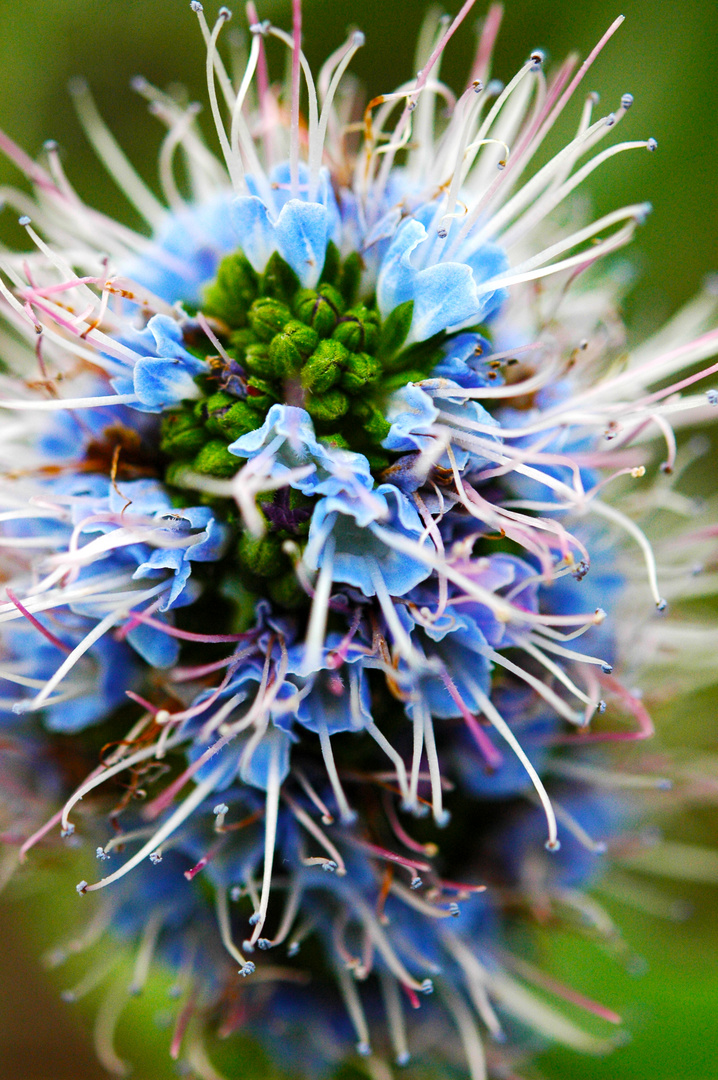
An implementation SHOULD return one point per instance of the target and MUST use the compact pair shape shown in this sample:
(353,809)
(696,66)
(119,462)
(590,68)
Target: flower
(326,503)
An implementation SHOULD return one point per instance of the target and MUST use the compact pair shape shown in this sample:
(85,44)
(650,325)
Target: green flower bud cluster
(318,348)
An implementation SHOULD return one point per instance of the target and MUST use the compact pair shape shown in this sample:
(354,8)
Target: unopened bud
(267,317)
(358,329)
(319,308)
(232,292)
(214,459)
(290,348)
(327,407)
(181,435)
(323,368)
(360,370)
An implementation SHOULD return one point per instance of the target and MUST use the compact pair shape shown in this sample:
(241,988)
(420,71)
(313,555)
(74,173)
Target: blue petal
(148,497)
(445,294)
(411,413)
(157,648)
(276,746)
(487,261)
(330,700)
(290,433)
(164,373)
(168,342)
(254,229)
(359,548)
(186,251)
(163,382)
(463,354)
(302,234)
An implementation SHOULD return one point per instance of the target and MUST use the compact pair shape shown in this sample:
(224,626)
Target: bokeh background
(665,55)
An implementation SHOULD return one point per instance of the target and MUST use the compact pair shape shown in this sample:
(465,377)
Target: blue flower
(165,371)
(270,220)
(288,442)
(413,413)
(186,250)
(445,294)
(355,534)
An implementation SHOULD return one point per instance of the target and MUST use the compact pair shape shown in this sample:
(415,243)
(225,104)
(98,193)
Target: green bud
(229,296)
(358,329)
(290,348)
(395,331)
(286,591)
(372,420)
(257,361)
(239,420)
(360,370)
(319,308)
(180,435)
(267,317)
(240,339)
(332,259)
(279,280)
(261,555)
(214,459)
(333,297)
(261,395)
(214,407)
(323,368)
(327,408)
(350,277)
(335,440)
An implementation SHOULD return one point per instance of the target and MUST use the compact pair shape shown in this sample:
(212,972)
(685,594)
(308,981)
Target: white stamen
(494,717)
(143,960)
(476,980)
(289,914)
(395,1018)
(345,811)
(87,642)
(569,822)
(225,932)
(557,671)
(441,816)
(418,748)
(317,146)
(468,1033)
(171,141)
(355,1009)
(274,783)
(108,1016)
(617,516)
(181,814)
(112,157)
(230,158)
(316,628)
(394,756)
(311,826)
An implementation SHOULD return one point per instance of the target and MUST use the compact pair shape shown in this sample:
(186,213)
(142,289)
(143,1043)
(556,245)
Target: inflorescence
(312,556)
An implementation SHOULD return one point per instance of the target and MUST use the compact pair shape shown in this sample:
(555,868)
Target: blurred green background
(665,55)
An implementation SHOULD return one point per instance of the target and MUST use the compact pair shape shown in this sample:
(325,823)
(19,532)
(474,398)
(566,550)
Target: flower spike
(321,503)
